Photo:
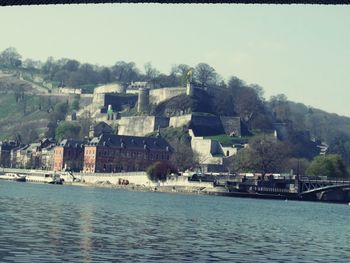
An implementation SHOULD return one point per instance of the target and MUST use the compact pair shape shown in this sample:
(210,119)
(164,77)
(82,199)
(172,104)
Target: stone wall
(69,90)
(139,178)
(207,149)
(140,125)
(85,100)
(98,100)
(159,95)
(118,101)
(109,88)
(206,125)
(180,121)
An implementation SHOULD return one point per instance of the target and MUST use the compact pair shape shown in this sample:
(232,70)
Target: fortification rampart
(109,88)
(159,95)
(69,90)
(140,125)
(180,121)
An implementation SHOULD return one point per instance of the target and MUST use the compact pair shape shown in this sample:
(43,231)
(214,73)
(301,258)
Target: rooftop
(130,142)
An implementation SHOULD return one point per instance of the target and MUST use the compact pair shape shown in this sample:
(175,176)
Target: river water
(54,223)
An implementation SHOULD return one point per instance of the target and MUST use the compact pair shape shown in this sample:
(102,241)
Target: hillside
(22,117)
(22,112)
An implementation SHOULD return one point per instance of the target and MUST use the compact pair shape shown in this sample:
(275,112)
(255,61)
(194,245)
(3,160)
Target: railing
(111,174)
(273,190)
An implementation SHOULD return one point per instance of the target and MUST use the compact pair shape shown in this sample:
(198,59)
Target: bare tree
(183,156)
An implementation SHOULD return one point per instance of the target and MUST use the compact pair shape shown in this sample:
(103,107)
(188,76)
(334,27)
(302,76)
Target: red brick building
(116,153)
(69,155)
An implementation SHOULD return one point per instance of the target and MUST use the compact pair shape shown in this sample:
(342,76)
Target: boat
(13,177)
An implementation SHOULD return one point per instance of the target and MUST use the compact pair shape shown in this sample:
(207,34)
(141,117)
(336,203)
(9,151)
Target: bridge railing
(273,190)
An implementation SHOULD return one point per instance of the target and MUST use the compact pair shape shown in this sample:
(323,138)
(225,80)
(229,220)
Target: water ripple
(54,224)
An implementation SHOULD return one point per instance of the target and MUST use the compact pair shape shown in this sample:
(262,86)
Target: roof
(70,143)
(131,142)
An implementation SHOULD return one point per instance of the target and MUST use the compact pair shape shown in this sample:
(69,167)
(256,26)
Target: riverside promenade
(302,189)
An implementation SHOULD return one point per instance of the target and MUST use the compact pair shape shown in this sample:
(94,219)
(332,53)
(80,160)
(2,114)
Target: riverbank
(141,188)
(139,181)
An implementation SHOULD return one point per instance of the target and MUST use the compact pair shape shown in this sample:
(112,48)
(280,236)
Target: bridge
(307,184)
(324,189)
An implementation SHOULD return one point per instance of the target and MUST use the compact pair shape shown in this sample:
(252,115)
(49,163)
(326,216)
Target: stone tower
(143,99)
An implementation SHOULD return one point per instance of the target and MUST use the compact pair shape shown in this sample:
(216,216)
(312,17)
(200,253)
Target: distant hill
(22,112)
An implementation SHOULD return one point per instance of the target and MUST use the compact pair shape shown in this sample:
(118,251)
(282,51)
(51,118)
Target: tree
(49,68)
(298,166)
(205,75)
(85,122)
(88,74)
(31,65)
(180,71)
(75,105)
(280,107)
(124,72)
(183,156)
(61,110)
(71,65)
(66,130)
(10,58)
(247,104)
(105,75)
(265,154)
(151,73)
(331,165)
(159,171)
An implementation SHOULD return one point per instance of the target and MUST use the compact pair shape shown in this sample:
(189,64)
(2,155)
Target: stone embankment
(135,181)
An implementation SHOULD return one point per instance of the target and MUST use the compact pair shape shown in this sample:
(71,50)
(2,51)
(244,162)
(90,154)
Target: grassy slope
(13,118)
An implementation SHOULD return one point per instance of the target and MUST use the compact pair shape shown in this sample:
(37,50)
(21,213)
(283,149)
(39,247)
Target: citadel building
(117,153)
(69,155)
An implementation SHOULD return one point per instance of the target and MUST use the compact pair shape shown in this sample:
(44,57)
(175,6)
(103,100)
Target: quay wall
(137,178)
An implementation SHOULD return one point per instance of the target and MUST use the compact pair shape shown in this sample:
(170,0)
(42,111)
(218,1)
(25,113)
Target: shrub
(159,171)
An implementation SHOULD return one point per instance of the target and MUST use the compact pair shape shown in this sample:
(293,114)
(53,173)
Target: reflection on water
(53,223)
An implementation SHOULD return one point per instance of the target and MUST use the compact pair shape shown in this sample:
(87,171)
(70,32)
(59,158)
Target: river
(54,223)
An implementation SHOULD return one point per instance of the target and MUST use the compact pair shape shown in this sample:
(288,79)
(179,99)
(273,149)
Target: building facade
(5,152)
(116,153)
(37,155)
(69,155)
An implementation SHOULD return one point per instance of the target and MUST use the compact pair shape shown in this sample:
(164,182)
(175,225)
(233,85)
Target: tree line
(72,73)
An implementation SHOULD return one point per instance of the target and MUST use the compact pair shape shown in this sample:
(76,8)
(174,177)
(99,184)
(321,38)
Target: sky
(302,51)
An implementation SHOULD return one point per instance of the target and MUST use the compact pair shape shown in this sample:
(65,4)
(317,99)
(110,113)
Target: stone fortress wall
(109,88)
(143,125)
(180,121)
(159,95)
(140,125)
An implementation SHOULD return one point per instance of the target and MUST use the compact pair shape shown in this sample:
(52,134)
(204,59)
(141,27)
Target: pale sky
(302,51)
